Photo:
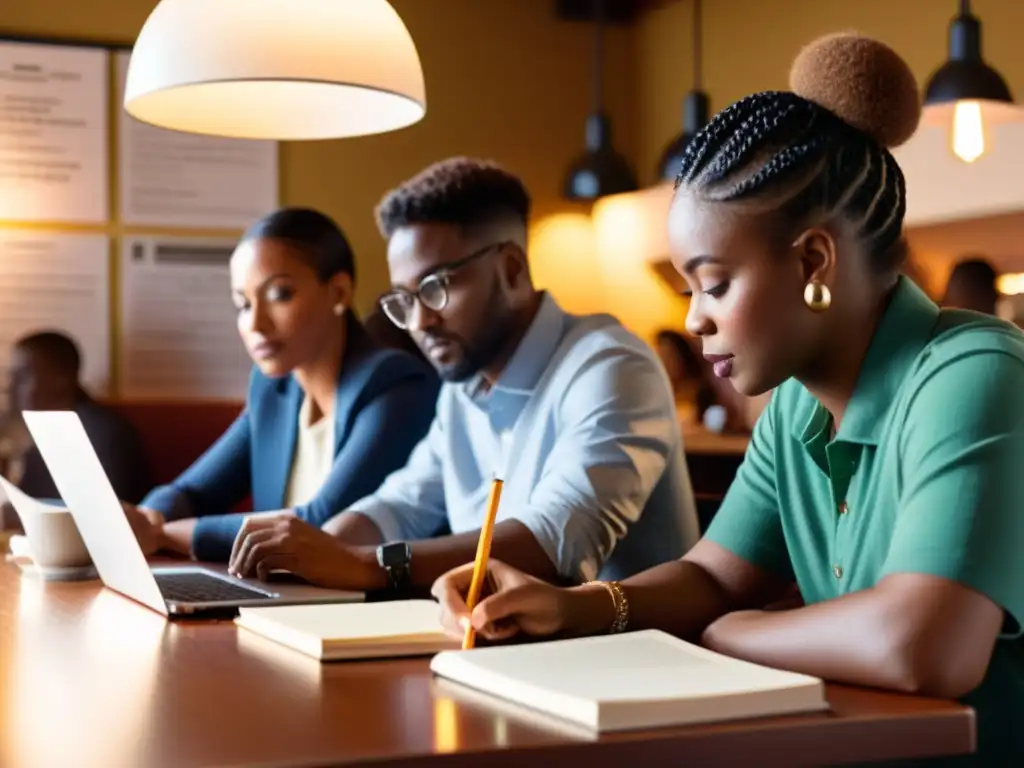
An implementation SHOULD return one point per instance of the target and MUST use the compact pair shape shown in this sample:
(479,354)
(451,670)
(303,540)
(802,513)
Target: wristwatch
(396,558)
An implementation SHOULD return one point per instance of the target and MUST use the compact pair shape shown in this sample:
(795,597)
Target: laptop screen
(88,494)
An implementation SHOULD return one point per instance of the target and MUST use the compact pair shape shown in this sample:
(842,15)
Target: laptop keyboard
(203,588)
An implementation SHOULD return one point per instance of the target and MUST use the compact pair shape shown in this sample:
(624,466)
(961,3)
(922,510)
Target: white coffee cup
(53,538)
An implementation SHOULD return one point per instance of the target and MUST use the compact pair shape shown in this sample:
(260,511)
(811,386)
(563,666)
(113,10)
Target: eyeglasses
(432,292)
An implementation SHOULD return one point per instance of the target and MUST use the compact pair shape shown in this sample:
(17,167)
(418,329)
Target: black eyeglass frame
(442,275)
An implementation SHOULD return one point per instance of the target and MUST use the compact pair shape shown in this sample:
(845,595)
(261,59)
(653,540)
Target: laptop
(173,590)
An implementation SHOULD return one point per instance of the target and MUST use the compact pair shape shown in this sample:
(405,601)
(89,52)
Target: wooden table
(713,459)
(89,678)
(702,441)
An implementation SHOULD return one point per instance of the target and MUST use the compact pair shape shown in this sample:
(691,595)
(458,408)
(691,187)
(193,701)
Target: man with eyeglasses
(575,414)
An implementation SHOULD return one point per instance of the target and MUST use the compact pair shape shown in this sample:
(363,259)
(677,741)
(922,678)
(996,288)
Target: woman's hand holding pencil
(512,603)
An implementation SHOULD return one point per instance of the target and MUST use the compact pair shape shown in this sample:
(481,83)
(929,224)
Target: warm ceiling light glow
(563,260)
(275,69)
(1010,284)
(631,232)
(634,226)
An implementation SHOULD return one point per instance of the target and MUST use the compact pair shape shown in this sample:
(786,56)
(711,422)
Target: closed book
(633,680)
(352,630)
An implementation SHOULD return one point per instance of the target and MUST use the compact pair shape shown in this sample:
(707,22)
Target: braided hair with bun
(821,148)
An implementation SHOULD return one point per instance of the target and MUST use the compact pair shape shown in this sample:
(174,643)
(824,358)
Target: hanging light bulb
(965,93)
(968,134)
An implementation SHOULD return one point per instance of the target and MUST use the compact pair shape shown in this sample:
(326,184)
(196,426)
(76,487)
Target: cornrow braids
(779,143)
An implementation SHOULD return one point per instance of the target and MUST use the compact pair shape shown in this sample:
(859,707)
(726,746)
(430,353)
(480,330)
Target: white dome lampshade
(275,69)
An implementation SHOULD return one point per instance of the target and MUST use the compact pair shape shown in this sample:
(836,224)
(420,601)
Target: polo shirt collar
(904,329)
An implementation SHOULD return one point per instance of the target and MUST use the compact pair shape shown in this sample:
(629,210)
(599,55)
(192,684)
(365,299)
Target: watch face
(394,554)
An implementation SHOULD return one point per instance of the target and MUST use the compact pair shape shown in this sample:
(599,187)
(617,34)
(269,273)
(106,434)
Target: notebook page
(647,665)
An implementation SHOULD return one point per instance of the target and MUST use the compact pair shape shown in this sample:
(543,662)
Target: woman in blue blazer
(329,413)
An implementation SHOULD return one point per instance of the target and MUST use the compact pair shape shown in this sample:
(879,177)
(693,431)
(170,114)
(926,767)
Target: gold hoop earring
(339,309)
(817,296)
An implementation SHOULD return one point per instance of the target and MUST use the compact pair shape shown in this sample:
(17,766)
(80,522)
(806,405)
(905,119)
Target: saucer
(20,557)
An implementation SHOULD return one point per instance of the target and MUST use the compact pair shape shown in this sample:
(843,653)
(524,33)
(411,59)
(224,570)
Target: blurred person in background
(972,285)
(45,375)
(703,399)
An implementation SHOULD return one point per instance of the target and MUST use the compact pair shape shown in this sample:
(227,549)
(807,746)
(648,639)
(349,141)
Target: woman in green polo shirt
(886,476)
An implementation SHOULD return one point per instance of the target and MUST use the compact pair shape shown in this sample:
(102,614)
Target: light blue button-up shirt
(582,427)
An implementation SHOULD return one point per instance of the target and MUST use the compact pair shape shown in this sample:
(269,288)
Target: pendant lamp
(600,170)
(275,69)
(696,109)
(965,93)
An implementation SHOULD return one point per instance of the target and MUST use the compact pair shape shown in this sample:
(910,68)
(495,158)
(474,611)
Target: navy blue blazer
(383,407)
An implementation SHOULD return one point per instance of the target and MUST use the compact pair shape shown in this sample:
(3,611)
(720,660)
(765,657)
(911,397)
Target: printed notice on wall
(57,282)
(175,179)
(53,133)
(179,336)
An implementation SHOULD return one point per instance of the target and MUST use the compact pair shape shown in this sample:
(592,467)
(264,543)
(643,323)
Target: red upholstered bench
(175,433)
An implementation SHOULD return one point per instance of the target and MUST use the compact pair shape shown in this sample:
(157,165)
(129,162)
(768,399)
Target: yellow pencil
(483,551)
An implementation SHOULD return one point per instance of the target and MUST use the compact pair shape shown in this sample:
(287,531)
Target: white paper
(53,133)
(57,281)
(175,179)
(179,335)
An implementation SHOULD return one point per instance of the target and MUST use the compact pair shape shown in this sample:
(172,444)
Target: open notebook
(352,630)
(644,679)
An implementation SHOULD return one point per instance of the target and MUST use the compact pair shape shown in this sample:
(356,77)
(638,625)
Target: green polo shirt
(925,475)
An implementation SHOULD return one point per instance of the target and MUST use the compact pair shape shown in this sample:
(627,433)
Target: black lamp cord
(698,54)
(598,83)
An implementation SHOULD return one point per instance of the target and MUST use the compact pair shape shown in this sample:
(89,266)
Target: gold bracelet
(619,601)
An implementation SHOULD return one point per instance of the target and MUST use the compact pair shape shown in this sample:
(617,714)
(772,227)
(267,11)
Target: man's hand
(147,525)
(267,544)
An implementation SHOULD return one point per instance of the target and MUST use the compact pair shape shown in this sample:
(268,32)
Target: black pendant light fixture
(696,108)
(600,170)
(965,93)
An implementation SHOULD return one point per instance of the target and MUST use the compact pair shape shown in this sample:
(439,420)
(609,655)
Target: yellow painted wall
(505,80)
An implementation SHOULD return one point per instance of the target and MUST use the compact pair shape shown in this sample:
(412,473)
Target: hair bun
(861,80)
